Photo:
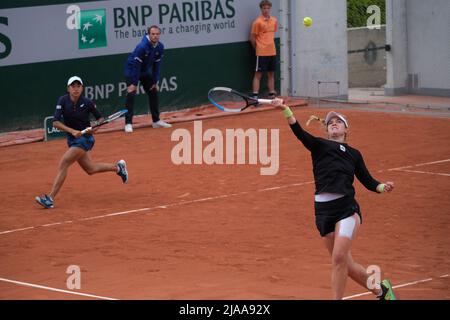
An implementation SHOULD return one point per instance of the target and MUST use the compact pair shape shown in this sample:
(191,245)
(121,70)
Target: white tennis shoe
(161,124)
(128,128)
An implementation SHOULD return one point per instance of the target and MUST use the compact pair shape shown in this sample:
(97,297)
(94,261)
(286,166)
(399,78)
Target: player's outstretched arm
(308,140)
(279,104)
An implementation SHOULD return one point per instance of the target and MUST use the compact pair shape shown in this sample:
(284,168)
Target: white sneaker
(161,124)
(128,128)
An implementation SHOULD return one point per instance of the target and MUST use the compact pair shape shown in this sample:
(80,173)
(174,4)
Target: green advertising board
(51,133)
(206,45)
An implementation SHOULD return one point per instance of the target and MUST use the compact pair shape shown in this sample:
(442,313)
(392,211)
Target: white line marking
(394,287)
(420,165)
(55,289)
(210,198)
(16,230)
(412,283)
(424,172)
(357,295)
(203,199)
(56,224)
(164,206)
(113,214)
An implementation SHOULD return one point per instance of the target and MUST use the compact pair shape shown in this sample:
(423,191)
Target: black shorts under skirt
(331,212)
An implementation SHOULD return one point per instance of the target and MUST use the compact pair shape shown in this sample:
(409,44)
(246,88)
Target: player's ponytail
(316,118)
(322,122)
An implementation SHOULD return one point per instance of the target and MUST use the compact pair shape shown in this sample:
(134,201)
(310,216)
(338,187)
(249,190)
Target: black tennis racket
(108,119)
(229,100)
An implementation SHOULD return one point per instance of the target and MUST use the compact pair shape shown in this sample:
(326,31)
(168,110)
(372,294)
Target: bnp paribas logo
(92,32)
(91,26)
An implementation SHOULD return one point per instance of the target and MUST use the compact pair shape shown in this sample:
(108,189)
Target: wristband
(382,187)
(288,112)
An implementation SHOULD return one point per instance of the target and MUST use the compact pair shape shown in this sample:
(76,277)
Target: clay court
(224,231)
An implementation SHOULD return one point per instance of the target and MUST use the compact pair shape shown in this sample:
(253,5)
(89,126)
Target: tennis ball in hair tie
(307,21)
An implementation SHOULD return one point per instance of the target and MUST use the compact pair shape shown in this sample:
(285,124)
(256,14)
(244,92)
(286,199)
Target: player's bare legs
(271,81)
(359,275)
(339,261)
(91,167)
(71,155)
(354,270)
(256,81)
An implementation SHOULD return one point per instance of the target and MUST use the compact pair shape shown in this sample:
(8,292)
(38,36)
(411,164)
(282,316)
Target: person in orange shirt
(262,38)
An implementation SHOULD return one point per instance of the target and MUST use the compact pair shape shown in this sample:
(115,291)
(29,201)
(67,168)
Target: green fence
(29,92)
(34,69)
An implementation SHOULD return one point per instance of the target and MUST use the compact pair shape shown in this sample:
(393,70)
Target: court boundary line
(419,165)
(37,286)
(407,168)
(223,196)
(27,284)
(396,287)
(163,206)
(424,172)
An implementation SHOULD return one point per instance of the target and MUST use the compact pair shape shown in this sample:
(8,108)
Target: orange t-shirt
(264,31)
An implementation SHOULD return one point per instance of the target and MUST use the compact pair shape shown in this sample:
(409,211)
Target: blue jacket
(144,60)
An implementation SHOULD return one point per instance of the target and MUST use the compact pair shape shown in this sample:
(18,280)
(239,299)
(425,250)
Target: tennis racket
(230,100)
(108,119)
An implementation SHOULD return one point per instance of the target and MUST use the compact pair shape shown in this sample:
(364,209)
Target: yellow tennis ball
(307,21)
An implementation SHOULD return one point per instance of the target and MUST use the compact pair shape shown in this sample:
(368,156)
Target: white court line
(424,172)
(17,230)
(113,214)
(420,165)
(56,224)
(164,206)
(108,298)
(195,201)
(55,289)
(394,287)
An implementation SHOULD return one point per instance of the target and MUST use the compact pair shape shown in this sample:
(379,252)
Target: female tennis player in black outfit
(337,213)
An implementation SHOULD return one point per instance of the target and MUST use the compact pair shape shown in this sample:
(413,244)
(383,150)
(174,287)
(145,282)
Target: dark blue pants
(153,99)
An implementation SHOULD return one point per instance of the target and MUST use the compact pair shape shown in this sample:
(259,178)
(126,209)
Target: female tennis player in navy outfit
(337,213)
(72,116)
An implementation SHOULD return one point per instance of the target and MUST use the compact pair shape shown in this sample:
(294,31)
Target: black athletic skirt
(329,213)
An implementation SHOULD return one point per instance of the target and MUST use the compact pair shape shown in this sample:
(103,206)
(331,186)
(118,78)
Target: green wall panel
(29,92)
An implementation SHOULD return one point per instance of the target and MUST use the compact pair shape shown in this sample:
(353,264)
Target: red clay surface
(224,231)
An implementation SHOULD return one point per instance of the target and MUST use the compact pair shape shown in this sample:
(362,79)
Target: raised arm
(308,140)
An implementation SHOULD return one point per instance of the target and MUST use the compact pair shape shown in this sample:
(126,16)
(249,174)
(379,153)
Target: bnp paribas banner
(88,29)
(41,46)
